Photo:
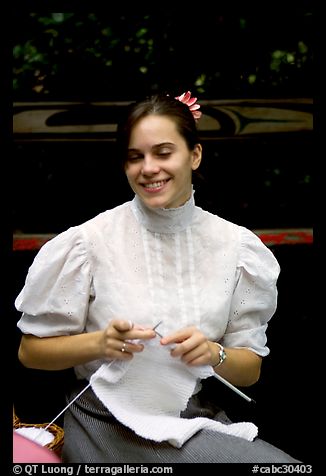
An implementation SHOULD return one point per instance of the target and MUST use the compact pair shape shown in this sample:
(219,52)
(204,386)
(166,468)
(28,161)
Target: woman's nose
(149,165)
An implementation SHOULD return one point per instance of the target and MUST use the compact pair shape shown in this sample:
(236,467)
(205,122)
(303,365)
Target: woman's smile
(155,187)
(160,164)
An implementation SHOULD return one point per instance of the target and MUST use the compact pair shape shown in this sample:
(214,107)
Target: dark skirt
(93,435)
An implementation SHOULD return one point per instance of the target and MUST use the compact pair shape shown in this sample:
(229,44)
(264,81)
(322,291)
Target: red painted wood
(291,236)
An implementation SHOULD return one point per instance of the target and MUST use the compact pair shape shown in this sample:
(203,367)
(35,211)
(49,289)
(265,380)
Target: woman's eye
(133,158)
(163,153)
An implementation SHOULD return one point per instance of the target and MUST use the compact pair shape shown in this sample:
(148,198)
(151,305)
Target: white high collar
(164,220)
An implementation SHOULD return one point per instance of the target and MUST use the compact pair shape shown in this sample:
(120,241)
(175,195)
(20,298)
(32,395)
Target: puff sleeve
(54,300)
(255,296)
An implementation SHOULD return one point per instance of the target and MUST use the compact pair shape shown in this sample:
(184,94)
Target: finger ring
(123,347)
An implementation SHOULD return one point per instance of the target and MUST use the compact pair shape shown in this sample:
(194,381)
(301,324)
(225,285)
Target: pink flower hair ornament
(191,103)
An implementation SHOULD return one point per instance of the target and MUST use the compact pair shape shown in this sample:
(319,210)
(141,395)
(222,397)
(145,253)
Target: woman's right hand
(120,339)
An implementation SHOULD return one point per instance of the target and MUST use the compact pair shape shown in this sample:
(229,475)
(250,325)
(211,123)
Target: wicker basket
(56,444)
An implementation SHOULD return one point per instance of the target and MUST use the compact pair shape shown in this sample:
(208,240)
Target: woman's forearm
(120,340)
(241,367)
(58,353)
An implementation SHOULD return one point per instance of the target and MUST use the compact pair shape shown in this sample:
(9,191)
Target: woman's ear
(196,156)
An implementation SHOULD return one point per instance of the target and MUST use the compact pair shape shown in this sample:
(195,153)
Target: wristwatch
(221,354)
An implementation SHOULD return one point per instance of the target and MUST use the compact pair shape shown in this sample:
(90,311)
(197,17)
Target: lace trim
(164,220)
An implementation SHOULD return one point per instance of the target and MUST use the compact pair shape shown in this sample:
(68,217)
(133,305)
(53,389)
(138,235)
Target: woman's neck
(164,220)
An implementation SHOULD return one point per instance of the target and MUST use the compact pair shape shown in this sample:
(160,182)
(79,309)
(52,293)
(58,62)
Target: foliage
(111,56)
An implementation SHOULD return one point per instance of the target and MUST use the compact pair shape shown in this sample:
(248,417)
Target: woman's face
(159,166)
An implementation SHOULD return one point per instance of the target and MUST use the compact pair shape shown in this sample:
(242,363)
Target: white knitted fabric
(148,394)
(39,435)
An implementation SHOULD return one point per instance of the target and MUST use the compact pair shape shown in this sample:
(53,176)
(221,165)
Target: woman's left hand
(192,346)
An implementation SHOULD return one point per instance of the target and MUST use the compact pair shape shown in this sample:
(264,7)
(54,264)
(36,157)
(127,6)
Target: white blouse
(184,266)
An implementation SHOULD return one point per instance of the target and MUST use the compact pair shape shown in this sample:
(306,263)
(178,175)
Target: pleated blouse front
(183,266)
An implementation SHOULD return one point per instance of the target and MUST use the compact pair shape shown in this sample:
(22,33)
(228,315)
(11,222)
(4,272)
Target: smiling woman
(95,292)
(70,147)
(160,172)
(161,154)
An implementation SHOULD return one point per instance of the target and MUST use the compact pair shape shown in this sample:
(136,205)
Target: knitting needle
(218,377)
(232,387)
(83,390)
(70,403)
(154,329)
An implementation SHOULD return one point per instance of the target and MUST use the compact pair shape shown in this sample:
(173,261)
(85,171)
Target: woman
(148,299)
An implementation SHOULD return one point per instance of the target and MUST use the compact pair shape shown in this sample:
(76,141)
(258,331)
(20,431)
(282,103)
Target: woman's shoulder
(223,226)
(220,227)
(104,218)
(78,237)
(249,247)
(256,257)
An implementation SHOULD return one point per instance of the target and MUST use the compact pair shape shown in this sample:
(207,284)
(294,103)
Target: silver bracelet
(221,354)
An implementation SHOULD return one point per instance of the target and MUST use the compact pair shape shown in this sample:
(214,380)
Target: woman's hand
(192,346)
(120,339)
(242,366)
